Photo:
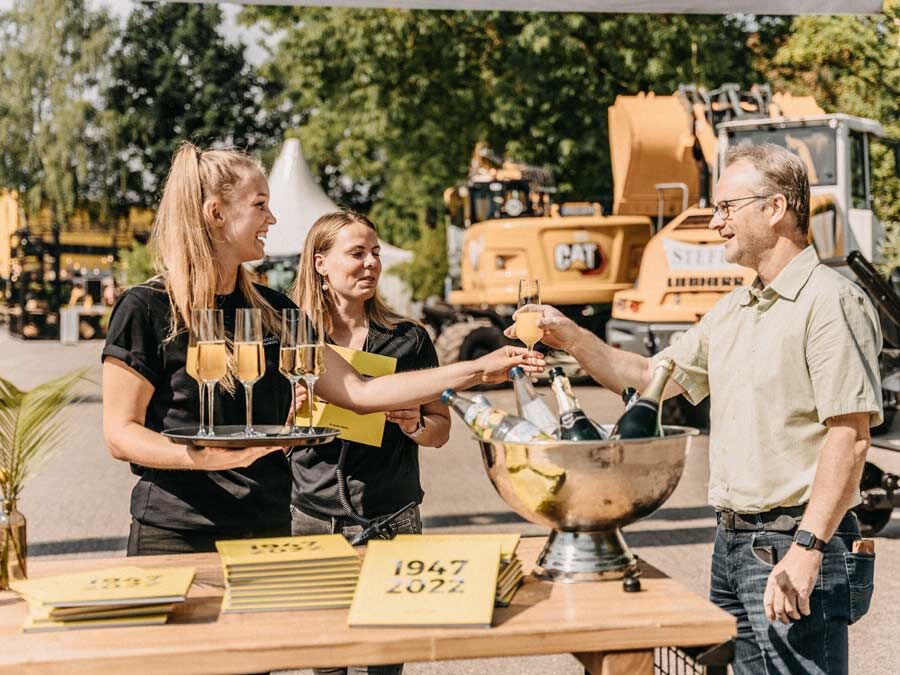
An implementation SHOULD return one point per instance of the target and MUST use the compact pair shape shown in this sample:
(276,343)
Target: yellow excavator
(503,226)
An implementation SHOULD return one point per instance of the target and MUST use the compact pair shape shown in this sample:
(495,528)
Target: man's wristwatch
(420,427)
(809,541)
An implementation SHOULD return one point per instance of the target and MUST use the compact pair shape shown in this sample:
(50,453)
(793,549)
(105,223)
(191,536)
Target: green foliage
(30,428)
(52,56)
(852,65)
(135,265)
(174,78)
(390,103)
(426,271)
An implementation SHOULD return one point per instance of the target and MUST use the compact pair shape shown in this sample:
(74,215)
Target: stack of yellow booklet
(285,573)
(509,576)
(422,581)
(120,596)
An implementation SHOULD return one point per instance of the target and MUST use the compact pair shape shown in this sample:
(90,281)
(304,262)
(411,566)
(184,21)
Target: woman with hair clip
(337,286)
(212,218)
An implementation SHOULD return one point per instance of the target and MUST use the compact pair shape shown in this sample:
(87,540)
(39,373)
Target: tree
(389,104)
(52,56)
(174,78)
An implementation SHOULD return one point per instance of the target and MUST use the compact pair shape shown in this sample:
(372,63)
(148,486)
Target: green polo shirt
(778,362)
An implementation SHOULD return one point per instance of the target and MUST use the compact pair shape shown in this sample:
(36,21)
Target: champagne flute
(527,329)
(310,361)
(250,357)
(212,356)
(287,356)
(191,365)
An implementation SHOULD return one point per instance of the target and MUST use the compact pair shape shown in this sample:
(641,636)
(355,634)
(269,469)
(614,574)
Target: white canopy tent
(612,6)
(297,201)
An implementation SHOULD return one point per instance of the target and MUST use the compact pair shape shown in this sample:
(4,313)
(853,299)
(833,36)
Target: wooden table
(610,631)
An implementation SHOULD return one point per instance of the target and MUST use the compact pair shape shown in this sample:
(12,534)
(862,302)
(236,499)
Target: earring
(325,286)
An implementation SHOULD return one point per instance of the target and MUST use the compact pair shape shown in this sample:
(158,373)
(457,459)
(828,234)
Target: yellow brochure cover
(367,429)
(279,550)
(41,612)
(114,586)
(508,541)
(35,626)
(420,583)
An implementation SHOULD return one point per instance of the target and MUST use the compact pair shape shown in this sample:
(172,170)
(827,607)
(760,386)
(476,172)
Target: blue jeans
(816,644)
(408,522)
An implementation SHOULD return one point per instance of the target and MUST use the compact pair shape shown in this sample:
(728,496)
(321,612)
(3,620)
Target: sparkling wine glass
(191,365)
(527,329)
(310,361)
(212,356)
(291,320)
(249,356)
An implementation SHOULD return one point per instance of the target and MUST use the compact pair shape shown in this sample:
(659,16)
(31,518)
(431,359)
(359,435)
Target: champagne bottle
(630,396)
(574,425)
(491,424)
(642,420)
(530,405)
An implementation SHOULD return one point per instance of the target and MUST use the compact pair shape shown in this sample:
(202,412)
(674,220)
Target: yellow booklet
(37,626)
(41,612)
(255,554)
(368,429)
(282,605)
(412,582)
(114,586)
(508,541)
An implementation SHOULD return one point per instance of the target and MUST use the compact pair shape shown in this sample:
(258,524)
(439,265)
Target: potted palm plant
(30,433)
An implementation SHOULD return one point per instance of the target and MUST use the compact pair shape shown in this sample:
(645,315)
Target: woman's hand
(560,332)
(407,418)
(217,459)
(494,367)
(301,393)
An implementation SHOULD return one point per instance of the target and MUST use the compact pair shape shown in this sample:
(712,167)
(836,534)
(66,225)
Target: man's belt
(781,519)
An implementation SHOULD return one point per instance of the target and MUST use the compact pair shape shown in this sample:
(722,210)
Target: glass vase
(13,544)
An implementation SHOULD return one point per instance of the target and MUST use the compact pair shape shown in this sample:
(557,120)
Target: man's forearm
(614,368)
(837,480)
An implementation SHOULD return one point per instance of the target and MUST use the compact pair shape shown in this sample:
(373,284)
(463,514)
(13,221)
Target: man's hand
(559,332)
(407,419)
(791,583)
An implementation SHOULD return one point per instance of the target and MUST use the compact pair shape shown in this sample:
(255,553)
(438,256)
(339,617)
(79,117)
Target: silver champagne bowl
(584,491)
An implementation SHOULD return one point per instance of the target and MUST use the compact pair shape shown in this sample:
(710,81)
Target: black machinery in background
(879,489)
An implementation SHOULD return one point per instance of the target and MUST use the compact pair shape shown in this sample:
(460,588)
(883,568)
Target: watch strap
(809,541)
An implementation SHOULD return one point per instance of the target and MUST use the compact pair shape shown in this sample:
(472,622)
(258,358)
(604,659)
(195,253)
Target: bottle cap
(557,371)
(515,372)
(447,396)
(627,393)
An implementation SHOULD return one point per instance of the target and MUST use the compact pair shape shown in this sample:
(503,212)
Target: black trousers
(151,540)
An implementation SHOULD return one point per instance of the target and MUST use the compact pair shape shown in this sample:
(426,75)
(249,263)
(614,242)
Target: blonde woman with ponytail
(213,217)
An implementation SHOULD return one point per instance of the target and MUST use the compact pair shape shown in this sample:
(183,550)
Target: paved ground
(78,504)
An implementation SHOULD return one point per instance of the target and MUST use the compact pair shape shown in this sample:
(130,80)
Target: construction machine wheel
(681,412)
(481,341)
(871,520)
(450,341)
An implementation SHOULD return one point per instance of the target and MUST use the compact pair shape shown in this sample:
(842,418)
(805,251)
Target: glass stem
(310,384)
(293,406)
(201,387)
(248,395)
(211,392)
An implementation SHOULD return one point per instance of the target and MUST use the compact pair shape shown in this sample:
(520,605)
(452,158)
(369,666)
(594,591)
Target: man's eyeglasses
(725,208)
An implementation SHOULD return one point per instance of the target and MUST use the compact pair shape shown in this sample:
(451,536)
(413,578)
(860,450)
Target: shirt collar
(789,281)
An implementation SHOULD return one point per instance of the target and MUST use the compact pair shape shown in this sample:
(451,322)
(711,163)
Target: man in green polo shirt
(791,368)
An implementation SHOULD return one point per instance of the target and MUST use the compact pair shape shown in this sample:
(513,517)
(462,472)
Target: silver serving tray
(232,436)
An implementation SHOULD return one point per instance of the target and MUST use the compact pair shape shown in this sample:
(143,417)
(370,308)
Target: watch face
(805,539)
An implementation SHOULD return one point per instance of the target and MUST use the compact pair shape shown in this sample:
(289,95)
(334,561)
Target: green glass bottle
(642,419)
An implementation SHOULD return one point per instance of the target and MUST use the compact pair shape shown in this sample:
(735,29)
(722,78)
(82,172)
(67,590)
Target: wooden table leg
(617,663)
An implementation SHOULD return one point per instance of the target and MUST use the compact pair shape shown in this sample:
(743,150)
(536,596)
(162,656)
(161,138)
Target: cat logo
(585,257)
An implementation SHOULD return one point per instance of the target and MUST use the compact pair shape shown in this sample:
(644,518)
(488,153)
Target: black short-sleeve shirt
(237,501)
(380,480)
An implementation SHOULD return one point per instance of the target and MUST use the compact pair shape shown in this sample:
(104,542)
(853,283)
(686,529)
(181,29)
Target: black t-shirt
(237,501)
(380,480)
